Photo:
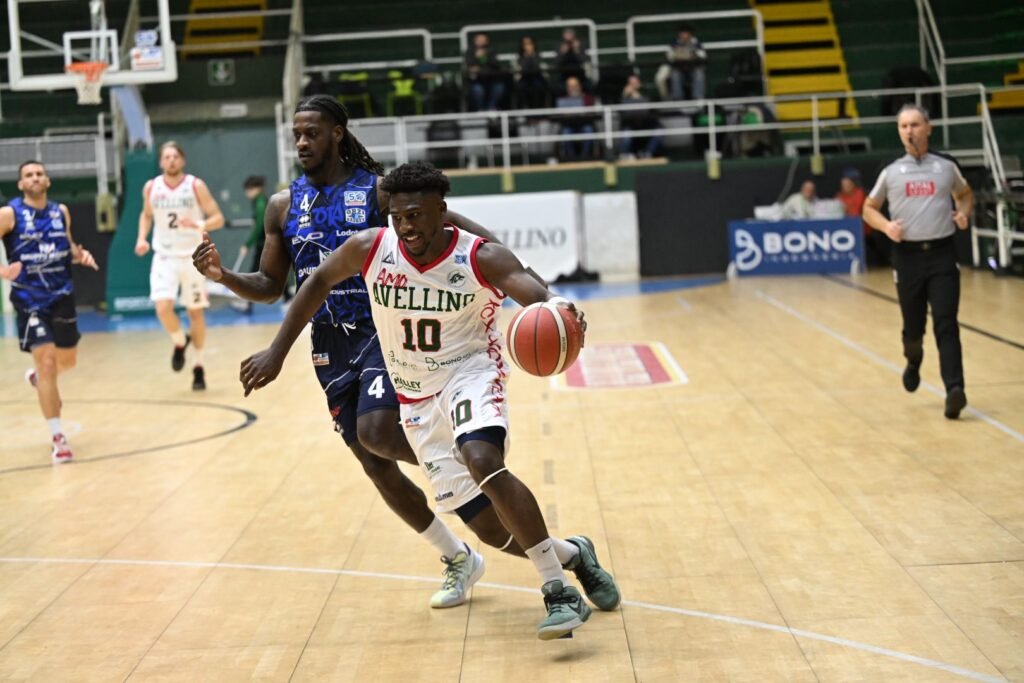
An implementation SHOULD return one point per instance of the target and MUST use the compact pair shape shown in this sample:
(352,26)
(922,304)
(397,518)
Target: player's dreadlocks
(351,150)
(418,176)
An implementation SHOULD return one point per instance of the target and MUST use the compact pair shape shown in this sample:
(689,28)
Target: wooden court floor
(788,514)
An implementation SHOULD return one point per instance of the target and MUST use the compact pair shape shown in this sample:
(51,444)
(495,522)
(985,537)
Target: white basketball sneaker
(61,452)
(460,573)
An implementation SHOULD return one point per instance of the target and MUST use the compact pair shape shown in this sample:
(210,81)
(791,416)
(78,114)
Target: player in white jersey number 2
(178,207)
(435,293)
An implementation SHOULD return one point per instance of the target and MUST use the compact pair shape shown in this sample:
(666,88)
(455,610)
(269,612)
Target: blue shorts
(57,324)
(350,367)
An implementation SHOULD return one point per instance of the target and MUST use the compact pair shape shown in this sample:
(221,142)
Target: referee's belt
(925,245)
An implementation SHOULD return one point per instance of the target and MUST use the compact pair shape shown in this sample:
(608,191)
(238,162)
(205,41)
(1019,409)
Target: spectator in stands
(531,84)
(638,119)
(576,124)
(483,75)
(686,58)
(876,245)
(572,61)
(851,194)
(801,204)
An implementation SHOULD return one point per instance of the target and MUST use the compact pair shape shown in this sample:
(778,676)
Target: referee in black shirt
(918,187)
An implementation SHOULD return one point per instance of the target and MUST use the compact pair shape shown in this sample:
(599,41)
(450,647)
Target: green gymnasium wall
(127,274)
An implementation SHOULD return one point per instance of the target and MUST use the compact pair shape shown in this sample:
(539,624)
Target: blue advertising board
(794,247)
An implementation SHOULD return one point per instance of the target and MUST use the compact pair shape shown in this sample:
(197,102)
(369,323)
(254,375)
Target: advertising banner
(542,228)
(794,247)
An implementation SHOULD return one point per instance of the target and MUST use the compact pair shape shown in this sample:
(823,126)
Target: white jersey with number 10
(432,319)
(170,205)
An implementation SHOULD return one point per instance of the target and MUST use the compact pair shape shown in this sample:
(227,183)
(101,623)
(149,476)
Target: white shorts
(170,274)
(474,399)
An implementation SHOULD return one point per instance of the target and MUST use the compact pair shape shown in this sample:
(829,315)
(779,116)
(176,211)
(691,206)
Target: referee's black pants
(927,273)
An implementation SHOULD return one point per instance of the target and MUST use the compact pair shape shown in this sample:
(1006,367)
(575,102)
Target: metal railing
(65,156)
(931,48)
(933,53)
(632,50)
(594,49)
(294,59)
(403,137)
(1005,233)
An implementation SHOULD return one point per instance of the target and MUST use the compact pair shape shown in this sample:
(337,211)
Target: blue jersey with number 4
(40,242)
(319,221)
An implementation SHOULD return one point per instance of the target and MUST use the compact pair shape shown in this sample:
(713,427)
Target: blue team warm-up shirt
(40,241)
(320,219)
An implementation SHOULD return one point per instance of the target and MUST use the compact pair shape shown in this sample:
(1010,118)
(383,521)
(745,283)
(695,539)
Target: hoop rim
(92,71)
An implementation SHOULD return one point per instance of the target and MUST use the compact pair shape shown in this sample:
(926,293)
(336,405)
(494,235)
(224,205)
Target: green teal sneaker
(566,611)
(597,583)
(460,573)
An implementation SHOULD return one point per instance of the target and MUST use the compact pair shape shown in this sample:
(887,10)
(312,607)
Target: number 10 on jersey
(427,337)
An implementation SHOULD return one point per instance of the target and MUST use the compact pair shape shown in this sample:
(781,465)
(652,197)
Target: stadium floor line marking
(250,419)
(884,362)
(796,633)
(886,297)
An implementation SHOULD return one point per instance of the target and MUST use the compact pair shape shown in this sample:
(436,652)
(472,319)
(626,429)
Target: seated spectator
(686,60)
(752,143)
(638,119)
(483,75)
(576,124)
(801,204)
(572,61)
(877,246)
(531,84)
(851,194)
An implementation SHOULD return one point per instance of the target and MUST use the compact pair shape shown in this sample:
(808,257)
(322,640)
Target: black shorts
(350,367)
(57,324)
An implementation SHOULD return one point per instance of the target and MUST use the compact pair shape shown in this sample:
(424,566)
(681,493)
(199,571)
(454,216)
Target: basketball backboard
(133,37)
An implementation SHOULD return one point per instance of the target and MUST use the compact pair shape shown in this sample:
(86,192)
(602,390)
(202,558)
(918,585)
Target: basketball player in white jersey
(178,207)
(435,294)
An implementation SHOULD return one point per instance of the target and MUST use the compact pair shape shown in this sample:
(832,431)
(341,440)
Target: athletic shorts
(170,275)
(474,399)
(56,325)
(350,367)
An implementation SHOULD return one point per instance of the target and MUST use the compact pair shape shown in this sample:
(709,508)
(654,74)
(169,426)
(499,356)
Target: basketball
(544,339)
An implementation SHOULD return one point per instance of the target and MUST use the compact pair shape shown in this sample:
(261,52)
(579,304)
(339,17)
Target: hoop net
(88,81)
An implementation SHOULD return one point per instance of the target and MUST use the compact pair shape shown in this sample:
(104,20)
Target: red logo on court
(608,366)
(920,188)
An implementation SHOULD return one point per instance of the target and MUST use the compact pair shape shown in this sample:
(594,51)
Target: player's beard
(319,165)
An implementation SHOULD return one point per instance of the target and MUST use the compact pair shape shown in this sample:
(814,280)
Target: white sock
(197,355)
(546,562)
(564,550)
(178,337)
(54,424)
(441,537)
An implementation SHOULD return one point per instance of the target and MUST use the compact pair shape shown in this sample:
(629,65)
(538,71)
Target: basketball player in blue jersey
(338,197)
(37,235)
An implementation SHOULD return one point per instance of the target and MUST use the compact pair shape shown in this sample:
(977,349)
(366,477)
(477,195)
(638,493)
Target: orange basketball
(544,339)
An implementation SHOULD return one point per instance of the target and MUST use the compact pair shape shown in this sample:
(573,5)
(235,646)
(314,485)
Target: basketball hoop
(89,79)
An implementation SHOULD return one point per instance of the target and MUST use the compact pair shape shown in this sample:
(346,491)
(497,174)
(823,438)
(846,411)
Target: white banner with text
(542,228)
